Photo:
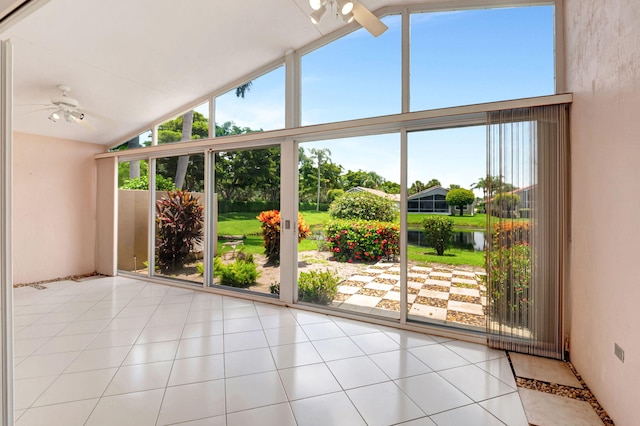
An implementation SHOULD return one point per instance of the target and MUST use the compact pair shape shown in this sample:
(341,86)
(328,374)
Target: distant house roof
(392,197)
(434,190)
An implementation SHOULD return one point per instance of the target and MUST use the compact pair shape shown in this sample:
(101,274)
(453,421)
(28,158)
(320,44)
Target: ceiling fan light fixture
(345,6)
(77,115)
(54,116)
(348,18)
(315,4)
(316,16)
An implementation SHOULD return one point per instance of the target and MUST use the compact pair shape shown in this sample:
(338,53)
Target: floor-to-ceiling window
(348,258)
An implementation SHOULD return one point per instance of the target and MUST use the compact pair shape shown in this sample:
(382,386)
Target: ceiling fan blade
(86,124)
(28,105)
(368,20)
(38,110)
(96,115)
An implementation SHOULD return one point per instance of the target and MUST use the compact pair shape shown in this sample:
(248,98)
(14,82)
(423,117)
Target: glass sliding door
(133,216)
(179,217)
(446,227)
(349,200)
(245,228)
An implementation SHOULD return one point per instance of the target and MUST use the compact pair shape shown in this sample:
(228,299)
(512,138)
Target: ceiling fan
(65,108)
(349,10)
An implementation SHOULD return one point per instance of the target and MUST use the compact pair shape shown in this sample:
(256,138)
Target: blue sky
(457,58)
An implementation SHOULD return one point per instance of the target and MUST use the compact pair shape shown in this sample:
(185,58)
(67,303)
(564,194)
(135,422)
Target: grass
(477,222)
(453,256)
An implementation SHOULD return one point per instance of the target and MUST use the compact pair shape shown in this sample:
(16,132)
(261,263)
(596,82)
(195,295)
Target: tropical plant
(460,198)
(317,287)
(438,232)
(271,233)
(179,227)
(362,240)
(363,205)
(239,273)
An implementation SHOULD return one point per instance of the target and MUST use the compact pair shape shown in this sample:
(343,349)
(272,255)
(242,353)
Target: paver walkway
(438,293)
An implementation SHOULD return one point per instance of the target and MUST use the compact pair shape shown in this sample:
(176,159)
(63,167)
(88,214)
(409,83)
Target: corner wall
(54,207)
(603,71)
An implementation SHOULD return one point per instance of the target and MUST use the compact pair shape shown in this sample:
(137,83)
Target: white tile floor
(119,351)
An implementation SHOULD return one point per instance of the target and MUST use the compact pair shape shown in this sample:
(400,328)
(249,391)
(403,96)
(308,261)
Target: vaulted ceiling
(130,62)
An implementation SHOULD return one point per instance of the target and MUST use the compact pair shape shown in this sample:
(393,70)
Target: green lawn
(478,222)
(453,256)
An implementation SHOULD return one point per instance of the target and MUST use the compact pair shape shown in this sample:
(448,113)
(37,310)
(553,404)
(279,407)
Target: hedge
(362,240)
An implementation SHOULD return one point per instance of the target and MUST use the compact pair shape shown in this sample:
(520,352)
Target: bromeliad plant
(179,227)
(362,240)
(271,233)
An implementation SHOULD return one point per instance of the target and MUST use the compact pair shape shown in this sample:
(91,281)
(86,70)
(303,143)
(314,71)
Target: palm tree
(320,155)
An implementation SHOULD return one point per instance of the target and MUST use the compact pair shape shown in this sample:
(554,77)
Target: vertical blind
(527,214)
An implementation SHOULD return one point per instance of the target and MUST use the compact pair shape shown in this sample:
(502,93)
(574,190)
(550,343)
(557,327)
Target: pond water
(466,240)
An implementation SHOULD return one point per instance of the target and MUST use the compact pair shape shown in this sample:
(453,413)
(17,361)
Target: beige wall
(603,72)
(54,207)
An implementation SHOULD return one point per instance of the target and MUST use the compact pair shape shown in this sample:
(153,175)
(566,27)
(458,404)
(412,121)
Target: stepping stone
(347,289)
(416,275)
(363,300)
(548,409)
(442,275)
(415,285)
(362,278)
(423,269)
(469,275)
(395,295)
(379,286)
(373,271)
(483,300)
(395,269)
(430,312)
(464,281)
(469,308)
(481,274)
(388,277)
(465,291)
(438,282)
(384,264)
(434,294)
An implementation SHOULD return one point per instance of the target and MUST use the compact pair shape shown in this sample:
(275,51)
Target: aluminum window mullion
(152,218)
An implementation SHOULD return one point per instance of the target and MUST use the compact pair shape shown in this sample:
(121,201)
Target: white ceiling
(130,62)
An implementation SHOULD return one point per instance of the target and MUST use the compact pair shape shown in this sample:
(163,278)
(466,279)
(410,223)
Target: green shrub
(179,227)
(200,268)
(363,205)
(438,232)
(509,275)
(142,183)
(317,287)
(332,194)
(271,233)
(239,273)
(274,288)
(362,240)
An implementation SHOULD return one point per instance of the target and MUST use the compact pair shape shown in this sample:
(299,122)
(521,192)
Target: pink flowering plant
(362,240)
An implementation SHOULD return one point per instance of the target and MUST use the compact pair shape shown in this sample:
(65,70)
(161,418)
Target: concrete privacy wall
(54,207)
(603,71)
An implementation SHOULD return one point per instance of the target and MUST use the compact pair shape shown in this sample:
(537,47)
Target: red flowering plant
(271,233)
(362,240)
(509,272)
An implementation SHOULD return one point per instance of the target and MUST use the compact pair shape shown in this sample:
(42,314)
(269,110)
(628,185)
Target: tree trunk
(183,161)
(134,166)
(461,210)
